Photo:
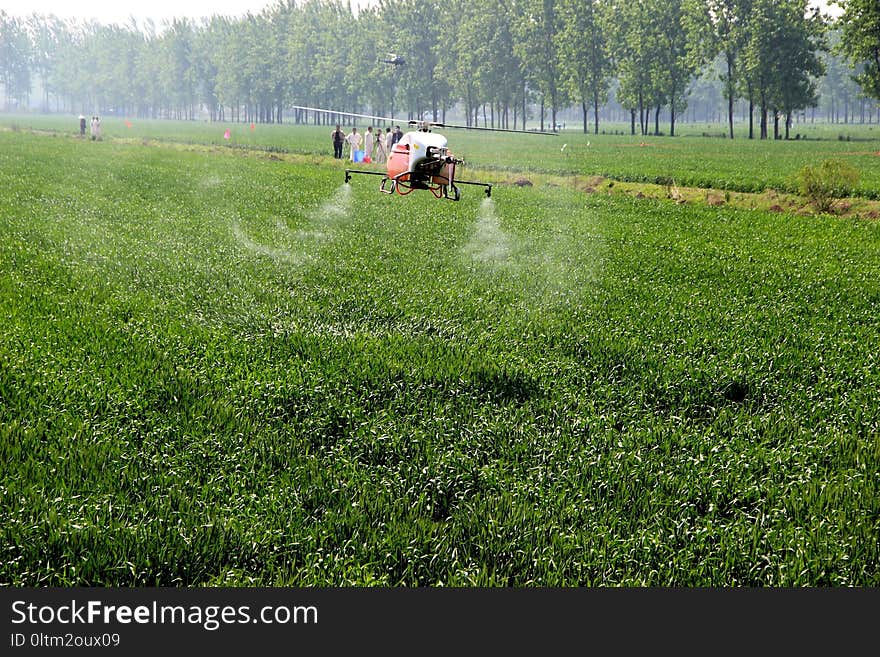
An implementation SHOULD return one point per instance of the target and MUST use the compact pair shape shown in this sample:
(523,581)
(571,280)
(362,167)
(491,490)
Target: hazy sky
(119,11)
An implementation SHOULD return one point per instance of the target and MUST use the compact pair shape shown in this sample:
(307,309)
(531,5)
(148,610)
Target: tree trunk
(763,116)
(730,92)
(641,113)
(751,117)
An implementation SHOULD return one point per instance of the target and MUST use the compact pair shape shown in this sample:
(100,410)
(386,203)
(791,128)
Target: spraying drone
(393,59)
(421,159)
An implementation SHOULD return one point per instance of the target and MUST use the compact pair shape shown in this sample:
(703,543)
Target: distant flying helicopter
(421,159)
(394,59)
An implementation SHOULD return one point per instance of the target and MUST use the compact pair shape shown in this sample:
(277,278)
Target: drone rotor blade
(339,113)
(416,123)
(475,127)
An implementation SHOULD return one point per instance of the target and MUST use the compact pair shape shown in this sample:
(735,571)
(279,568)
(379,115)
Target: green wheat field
(222,366)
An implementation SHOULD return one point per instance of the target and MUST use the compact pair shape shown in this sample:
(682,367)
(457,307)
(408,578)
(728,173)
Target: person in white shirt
(369,142)
(389,140)
(354,141)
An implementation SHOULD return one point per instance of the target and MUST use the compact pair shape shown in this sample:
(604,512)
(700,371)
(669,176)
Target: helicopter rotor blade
(417,123)
(476,127)
(339,113)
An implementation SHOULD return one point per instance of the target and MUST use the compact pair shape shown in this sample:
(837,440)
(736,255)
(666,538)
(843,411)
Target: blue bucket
(358,156)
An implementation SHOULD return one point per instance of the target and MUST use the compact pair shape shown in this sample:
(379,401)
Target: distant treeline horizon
(763,62)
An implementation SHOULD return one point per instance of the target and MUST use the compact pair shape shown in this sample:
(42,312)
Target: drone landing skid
(403,185)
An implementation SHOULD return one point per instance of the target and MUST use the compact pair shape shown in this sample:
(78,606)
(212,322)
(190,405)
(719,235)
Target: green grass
(688,161)
(218,369)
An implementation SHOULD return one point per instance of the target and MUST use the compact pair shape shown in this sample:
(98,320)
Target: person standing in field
(381,150)
(354,142)
(93,128)
(396,135)
(338,137)
(98,128)
(82,126)
(369,140)
(389,141)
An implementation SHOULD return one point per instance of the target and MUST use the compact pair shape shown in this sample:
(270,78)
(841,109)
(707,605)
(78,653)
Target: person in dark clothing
(338,141)
(82,126)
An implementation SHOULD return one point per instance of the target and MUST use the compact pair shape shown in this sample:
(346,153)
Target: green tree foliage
(537,24)
(583,45)
(499,69)
(860,41)
(493,59)
(798,63)
(720,27)
(839,91)
(15,52)
(459,64)
(178,67)
(420,82)
(631,53)
(781,60)
(44,32)
(369,78)
(207,43)
(677,64)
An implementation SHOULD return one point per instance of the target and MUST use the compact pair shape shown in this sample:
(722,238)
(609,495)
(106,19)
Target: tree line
(500,62)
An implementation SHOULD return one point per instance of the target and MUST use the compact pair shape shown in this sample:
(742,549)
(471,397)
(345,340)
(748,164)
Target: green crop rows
(691,160)
(228,369)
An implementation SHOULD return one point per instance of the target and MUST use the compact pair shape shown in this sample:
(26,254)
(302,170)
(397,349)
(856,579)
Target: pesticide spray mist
(274,252)
(329,215)
(489,244)
(334,209)
(294,246)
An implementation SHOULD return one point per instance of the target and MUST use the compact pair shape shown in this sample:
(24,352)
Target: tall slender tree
(720,26)
(15,55)
(537,26)
(583,46)
(677,62)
